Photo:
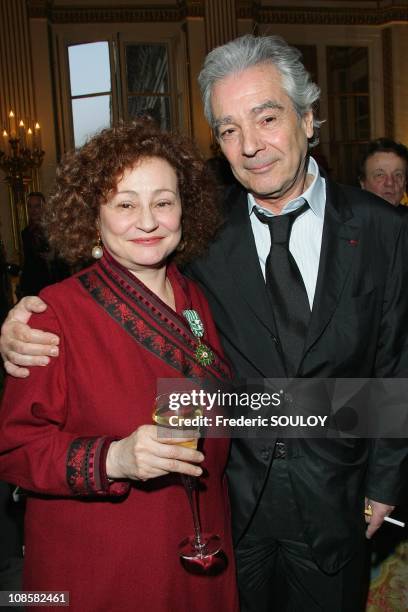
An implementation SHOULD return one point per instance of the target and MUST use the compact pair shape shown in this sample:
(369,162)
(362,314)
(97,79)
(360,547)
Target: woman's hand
(144,455)
(22,346)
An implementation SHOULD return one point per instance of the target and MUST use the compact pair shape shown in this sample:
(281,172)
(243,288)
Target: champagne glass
(200,549)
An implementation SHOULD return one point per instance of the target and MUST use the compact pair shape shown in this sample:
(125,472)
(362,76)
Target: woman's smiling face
(140,224)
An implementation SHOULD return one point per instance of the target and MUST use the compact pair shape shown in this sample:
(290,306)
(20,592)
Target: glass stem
(190,484)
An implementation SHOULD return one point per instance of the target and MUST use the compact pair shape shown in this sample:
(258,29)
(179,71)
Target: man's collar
(315,195)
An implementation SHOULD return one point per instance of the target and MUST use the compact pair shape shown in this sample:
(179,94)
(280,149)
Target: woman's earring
(97,251)
(181,246)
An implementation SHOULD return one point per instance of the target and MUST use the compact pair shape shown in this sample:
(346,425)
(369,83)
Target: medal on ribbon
(203,353)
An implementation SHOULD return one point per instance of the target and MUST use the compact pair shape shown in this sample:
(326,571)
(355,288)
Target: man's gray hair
(248,51)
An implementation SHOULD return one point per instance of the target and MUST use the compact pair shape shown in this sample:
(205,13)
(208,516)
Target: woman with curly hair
(104,514)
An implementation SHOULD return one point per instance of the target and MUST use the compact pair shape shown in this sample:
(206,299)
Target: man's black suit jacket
(358,329)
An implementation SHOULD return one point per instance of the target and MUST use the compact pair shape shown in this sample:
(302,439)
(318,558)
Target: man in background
(41,266)
(383,170)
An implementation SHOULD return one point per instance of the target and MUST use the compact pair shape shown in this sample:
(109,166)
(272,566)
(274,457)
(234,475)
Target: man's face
(261,135)
(34,208)
(386,175)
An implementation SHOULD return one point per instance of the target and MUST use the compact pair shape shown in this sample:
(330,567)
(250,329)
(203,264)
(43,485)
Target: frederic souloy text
(258,421)
(206,400)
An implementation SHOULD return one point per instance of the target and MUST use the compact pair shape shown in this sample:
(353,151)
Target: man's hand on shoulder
(21,346)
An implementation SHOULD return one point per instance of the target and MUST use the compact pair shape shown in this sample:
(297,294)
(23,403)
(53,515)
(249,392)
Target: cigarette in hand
(394,521)
(369,512)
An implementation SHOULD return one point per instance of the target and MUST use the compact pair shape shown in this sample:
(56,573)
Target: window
(143,89)
(90,89)
(147,82)
(349,109)
(309,60)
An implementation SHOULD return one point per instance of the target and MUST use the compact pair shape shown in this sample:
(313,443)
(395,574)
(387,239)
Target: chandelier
(21,156)
(21,152)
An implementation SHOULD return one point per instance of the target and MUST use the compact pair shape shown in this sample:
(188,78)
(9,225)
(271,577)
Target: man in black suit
(36,272)
(298,508)
(41,266)
(297,505)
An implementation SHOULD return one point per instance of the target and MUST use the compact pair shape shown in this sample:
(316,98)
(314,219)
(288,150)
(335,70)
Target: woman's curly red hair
(87,177)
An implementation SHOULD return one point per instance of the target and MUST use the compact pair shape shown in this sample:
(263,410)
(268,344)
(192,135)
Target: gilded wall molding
(322,16)
(245,9)
(192,8)
(116,14)
(108,15)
